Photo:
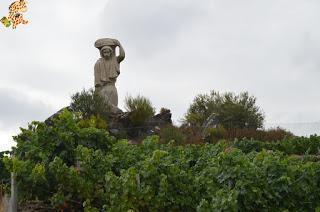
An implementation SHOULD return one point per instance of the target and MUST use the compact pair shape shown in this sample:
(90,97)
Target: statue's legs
(110,95)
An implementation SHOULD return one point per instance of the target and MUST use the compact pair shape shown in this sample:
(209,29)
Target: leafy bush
(213,135)
(79,167)
(165,177)
(40,144)
(193,134)
(293,145)
(93,121)
(4,175)
(277,134)
(172,133)
(89,103)
(140,109)
(230,110)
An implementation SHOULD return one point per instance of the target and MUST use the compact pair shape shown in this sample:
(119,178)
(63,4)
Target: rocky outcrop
(120,125)
(163,118)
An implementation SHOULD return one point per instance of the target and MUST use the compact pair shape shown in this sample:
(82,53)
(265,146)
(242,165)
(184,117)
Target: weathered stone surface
(107,70)
(122,124)
(163,118)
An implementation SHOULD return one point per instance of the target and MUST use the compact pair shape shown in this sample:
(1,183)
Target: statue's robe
(106,71)
(105,76)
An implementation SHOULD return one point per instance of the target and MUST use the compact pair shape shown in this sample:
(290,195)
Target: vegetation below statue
(136,123)
(76,164)
(81,159)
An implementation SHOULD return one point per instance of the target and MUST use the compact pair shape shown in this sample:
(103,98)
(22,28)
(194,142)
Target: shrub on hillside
(230,110)
(4,176)
(213,135)
(93,121)
(289,146)
(140,109)
(40,144)
(277,134)
(89,103)
(172,133)
(193,134)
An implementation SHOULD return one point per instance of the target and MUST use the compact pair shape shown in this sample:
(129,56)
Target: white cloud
(6,141)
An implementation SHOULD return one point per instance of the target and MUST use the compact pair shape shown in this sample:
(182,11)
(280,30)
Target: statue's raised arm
(122,54)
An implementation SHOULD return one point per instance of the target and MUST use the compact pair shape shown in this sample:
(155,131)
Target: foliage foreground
(79,166)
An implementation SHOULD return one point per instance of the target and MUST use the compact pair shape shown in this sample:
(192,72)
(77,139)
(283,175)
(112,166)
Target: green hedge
(294,145)
(67,165)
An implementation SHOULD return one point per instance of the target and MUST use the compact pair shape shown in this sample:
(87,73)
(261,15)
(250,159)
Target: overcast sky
(175,50)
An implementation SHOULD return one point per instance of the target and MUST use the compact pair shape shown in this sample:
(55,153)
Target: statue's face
(106,53)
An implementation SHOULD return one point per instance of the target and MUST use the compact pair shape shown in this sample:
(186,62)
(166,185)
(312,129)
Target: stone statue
(106,71)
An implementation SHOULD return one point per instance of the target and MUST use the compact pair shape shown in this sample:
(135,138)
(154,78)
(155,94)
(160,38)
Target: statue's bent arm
(122,54)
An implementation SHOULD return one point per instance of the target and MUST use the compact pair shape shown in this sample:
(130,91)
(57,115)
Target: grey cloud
(152,25)
(224,45)
(18,109)
(175,50)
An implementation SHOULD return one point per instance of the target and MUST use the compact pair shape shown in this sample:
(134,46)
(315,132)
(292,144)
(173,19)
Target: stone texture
(164,117)
(107,70)
(122,125)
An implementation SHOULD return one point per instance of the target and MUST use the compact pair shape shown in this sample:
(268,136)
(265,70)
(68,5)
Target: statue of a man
(107,69)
